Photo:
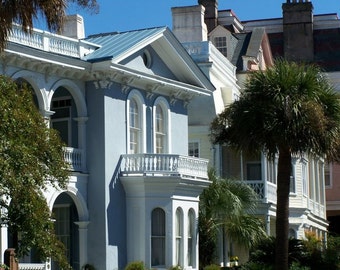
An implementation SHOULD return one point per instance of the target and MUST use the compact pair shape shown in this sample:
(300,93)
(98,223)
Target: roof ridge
(127,31)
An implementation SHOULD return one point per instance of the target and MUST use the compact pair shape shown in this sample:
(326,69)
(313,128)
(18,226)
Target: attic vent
(147,59)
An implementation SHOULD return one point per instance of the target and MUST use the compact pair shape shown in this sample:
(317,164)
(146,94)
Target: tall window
(179,237)
(194,150)
(191,238)
(160,130)
(161,126)
(61,119)
(292,180)
(221,44)
(272,170)
(62,227)
(135,127)
(328,179)
(158,237)
(254,171)
(304,178)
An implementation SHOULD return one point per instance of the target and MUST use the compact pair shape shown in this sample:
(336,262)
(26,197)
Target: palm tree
(25,12)
(288,109)
(227,206)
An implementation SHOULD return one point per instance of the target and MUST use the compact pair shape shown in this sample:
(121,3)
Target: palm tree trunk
(282,210)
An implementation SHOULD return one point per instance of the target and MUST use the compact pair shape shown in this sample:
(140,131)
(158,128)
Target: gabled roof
(116,44)
(249,45)
(117,47)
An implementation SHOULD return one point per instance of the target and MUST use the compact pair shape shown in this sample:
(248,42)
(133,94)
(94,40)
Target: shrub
(138,265)
(212,267)
(176,267)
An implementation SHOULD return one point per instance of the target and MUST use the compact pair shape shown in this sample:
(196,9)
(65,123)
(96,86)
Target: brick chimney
(298,30)
(211,13)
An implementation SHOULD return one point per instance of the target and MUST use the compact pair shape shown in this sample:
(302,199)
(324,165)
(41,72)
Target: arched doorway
(66,215)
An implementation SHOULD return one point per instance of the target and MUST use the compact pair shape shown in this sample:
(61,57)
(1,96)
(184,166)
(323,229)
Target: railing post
(10,260)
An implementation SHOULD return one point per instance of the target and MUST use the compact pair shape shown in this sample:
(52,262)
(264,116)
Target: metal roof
(116,43)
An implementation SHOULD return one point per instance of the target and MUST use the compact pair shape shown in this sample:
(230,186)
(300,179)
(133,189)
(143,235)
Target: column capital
(81,119)
(82,224)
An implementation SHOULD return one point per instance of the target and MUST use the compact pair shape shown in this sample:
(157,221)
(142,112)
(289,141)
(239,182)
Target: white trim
(137,96)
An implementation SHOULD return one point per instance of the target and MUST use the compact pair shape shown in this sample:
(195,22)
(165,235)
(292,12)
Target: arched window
(135,123)
(160,130)
(158,237)
(161,126)
(179,236)
(191,238)
(134,127)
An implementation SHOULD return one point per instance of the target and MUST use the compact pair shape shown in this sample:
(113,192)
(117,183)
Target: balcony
(264,189)
(164,165)
(75,158)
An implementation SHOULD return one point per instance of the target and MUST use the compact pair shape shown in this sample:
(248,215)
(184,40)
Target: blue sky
(124,15)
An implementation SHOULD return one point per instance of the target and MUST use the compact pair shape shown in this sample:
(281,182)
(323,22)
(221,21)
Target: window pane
(221,44)
(160,130)
(159,119)
(62,126)
(134,127)
(193,149)
(327,175)
(158,237)
(254,171)
(178,236)
(191,234)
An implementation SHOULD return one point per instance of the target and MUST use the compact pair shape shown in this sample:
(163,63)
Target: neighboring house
(245,47)
(316,40)
(119,101)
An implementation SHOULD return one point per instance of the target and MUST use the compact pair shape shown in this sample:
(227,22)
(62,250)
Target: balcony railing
(49,42)
(32,266)
(164,165)
(265,190)
(75,158)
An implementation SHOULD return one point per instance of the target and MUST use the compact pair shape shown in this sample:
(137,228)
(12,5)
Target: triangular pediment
(154,51)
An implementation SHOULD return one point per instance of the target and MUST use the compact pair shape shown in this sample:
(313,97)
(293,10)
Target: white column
(82,229)
(4,241)
(47,117)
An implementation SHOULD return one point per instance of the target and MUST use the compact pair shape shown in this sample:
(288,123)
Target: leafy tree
(31,159)
(25,12)
(227,205)
(288,109)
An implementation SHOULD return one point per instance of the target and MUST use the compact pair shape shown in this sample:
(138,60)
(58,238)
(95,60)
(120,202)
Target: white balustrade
(265,190)
(164,165)
(257,186)
(74,157)
(49,42)
(32,266)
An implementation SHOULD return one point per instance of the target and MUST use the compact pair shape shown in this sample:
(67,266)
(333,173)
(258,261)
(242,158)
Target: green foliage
(25,12)
(256,266)
(290,108)
(137,265)
(176,267)
(212,267)
(227,205)
(31,158)
(307,254)
(88,267)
